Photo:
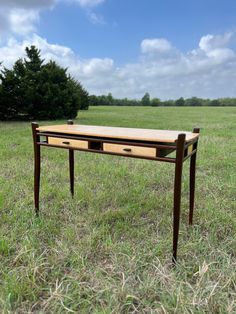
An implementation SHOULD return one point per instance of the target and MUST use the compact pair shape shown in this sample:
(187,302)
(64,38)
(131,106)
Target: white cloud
(23,21)
(96,66)
(155,45)
(95,18)
(221,54)
(62,55)
(21,17)
(216,47)
(25,4)
(89,3)
(210,73)
(211,42)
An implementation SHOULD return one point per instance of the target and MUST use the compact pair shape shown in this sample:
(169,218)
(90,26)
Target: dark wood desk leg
(71,165)
(177,192)
(36,167)
(192,175)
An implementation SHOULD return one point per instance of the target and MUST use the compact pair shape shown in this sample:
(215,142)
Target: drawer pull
(66,143)
(127,149)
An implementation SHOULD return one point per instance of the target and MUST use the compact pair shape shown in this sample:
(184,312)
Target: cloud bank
(209,70)
(20,17)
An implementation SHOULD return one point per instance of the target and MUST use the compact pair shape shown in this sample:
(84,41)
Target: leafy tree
(215,102)
(155,102)
(93,100)
(180,102)
(146,100)
(35,90)
(194,101)
(227,101)
(110,99)
(168,103)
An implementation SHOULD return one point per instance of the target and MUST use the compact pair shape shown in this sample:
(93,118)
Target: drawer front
(66,142)
(130,150)
(190,149)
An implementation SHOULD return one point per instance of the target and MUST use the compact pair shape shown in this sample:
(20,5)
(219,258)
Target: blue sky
(125,23)
(167,48)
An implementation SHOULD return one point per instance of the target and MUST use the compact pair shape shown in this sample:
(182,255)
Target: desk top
(151,135)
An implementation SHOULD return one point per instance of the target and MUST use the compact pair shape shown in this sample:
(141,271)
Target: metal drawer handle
(127,149)
(67,143)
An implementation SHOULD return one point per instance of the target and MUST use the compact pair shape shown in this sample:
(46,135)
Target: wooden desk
(128,142)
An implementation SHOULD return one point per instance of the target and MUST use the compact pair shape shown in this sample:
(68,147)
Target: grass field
(109,249)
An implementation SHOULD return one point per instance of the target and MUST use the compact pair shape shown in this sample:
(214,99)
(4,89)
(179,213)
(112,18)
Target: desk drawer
(130,150)
(66,142)
(190,149)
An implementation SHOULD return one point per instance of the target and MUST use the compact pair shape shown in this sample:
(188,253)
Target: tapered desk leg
(71,166)
(192,175)
(36,167)
(177,192)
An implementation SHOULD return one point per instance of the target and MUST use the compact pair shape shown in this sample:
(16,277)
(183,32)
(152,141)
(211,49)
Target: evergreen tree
(146,100)
(36,90)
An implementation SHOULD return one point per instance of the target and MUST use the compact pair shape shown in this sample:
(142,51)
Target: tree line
(33,89)
(109,100)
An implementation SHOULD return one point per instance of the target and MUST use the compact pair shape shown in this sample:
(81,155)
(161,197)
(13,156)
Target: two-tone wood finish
(145,135)
(67,142)
(134,143)
(130,150)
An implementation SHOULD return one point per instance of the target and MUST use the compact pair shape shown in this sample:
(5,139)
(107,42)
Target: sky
(168,48)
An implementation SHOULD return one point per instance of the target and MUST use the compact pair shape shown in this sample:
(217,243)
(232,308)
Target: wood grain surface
(151,135)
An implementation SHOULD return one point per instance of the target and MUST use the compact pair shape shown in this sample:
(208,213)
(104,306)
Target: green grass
(109,249)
